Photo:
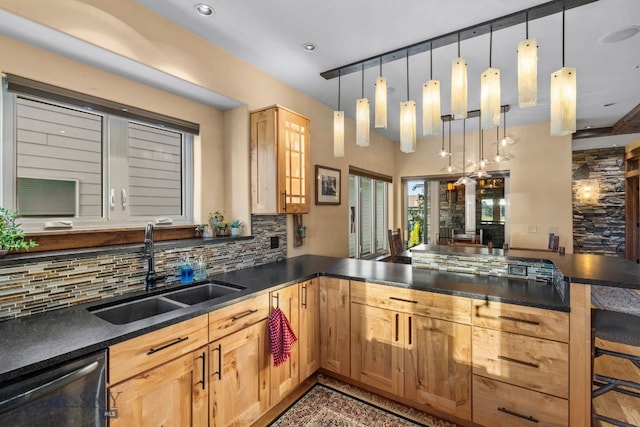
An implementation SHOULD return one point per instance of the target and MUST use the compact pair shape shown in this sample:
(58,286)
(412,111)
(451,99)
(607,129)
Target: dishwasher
(70,395)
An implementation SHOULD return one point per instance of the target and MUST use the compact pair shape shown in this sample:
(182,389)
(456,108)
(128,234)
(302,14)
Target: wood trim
(76,239)
(369,174)
(580,355)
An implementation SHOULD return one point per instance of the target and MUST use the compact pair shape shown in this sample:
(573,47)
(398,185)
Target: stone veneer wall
(599,225)
(38,286)
(491,265)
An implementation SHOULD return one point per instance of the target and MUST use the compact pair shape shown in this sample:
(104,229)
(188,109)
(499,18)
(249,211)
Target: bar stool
(621,333)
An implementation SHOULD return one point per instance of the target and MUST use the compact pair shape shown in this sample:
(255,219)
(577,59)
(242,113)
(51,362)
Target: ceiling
(270,34)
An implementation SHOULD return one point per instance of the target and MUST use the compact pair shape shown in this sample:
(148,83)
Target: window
(368,202)
(416,205)
(61,162)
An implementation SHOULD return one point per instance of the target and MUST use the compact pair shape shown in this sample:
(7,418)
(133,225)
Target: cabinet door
(335,325)
(285,378)
(309,338)
(377,348)
(438,365)
(264,160)
(172,394)
(239,373)
(293,163)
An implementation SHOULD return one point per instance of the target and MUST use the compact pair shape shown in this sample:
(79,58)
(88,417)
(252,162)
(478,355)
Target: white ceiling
(269,35)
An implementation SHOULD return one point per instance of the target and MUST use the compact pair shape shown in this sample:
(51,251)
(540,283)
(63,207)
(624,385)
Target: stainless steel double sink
(145,307)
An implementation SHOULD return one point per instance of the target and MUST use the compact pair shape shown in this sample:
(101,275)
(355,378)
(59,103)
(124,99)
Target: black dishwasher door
(70,395)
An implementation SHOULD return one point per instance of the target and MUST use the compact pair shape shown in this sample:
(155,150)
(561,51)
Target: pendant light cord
(449,142)
(458,45)
(339,79)
(407,75)
(490,43)
(431,62)
(563,37)
(362,80)
(527,26)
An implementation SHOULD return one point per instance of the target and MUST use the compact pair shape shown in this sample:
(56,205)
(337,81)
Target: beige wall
(540,190)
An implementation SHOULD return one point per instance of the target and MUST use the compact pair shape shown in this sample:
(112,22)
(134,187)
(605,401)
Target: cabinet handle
(404,300)
(204,370)
(174,342)
(304,295)
(410,337)
(515,319)
(219,371)
(521,362)
(515,414)
(284,206)
(397,326)
(245,314)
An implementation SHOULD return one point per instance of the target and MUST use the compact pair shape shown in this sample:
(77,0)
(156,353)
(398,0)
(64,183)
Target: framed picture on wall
(327,185)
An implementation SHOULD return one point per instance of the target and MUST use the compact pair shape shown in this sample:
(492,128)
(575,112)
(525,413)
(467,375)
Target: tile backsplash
(41,285)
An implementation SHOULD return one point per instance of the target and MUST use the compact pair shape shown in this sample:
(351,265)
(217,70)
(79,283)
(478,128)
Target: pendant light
(443,152)
(408,121)
(362,118)
(464,180)
(498,158)
(431,121)
(381,100)
(505,140)
(490,92)
(338,128)
(527,70)
(563,97)
(449,168)
(459,86)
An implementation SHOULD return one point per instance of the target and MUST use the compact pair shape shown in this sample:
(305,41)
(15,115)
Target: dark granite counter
(40,341)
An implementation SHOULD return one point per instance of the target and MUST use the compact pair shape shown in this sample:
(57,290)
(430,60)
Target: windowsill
(43,256)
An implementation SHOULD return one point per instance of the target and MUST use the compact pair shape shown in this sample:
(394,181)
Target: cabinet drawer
(498,404)
(536,322)
(430,304)
(129,358)
(529,362)
(237,316)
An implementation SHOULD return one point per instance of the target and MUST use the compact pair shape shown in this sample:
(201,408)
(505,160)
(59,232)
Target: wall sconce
(588,191)
(299,230)
(451,195)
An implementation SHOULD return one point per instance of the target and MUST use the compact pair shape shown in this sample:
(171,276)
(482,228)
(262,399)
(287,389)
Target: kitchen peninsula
(50,338)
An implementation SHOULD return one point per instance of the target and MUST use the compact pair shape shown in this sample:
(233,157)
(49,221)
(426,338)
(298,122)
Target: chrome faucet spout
(150,279)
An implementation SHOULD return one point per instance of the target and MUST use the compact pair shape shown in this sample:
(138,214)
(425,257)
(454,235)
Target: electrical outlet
(275,242)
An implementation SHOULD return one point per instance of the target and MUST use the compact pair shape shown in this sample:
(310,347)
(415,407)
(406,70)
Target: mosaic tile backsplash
(33,287)
(491,265)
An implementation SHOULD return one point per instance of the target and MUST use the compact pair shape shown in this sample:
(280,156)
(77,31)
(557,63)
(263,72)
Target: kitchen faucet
(150,279)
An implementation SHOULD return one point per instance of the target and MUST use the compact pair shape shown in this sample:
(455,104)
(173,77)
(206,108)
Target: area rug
(334,403)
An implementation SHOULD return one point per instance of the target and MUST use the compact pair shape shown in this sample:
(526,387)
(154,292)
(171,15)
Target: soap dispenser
(186,271)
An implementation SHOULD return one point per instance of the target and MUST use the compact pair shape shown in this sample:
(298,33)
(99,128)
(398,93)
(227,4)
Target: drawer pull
(515,319)
(521,362)
(403,300)
(204,370)
(515,414)
(169,344)
(245,314)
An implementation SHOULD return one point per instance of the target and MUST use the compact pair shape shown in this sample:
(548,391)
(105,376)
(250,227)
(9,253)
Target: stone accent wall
(599,217)
(37,286)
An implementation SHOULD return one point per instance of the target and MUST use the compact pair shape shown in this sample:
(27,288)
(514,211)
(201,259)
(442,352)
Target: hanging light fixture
(498,158)
(408,121)
(362,118)
(449,168)
(505,140)
(431,121)
(464,180)
(338,128)
(459,86)
(381,100)
(490,92)
(563,97)
(443,152)
(527,70)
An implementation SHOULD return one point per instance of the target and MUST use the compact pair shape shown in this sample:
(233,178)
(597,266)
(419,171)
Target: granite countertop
(47,339)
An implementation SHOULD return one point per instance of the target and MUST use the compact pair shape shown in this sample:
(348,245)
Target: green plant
(216,218)
(11,233)
(236,223)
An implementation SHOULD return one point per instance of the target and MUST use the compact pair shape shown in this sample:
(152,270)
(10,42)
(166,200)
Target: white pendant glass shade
(563,101)
(338,134)
(459,88)
(408,127)
(381,103)
(431,121)
(362,122)
(527,73)
(490,98)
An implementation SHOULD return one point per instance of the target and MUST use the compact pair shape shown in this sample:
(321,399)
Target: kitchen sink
(136,310)
(201,293)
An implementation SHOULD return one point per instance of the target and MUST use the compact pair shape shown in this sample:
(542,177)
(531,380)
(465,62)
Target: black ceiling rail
(530,14)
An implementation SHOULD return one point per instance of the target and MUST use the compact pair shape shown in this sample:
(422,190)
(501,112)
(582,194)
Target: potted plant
(216,220)
(235,227)
(11,233)
(205,231)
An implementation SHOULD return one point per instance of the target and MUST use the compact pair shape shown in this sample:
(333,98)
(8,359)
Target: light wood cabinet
(424,359)
(172,394)
(309,337)
(280,162)
(335,321)
(239,376)
(286,377)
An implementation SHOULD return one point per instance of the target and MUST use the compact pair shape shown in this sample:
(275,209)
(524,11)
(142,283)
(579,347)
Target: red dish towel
(281,336)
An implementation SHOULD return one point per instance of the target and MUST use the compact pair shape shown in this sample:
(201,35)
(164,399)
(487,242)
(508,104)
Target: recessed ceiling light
(609,104)
(619,35)
(204,9)
(309,47)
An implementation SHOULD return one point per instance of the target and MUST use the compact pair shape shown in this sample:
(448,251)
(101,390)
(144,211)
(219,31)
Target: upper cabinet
(279,162)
